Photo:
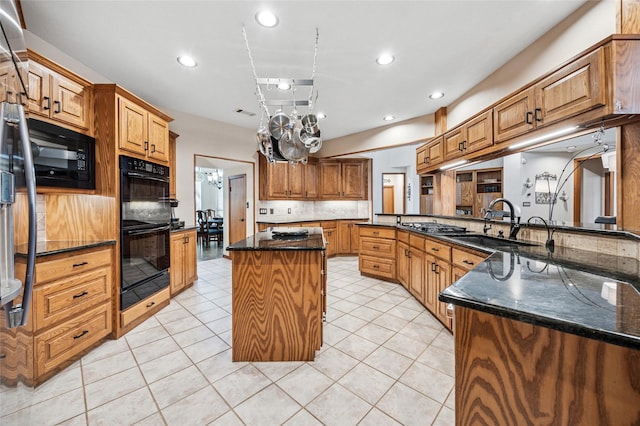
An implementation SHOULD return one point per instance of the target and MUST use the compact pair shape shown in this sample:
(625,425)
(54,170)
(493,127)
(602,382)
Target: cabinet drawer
(138,310)
(416,241)
(68,339)
(57,300)
(377,232)
(403,236)
(466,260)
(378,247)
(54,269)
(443,251)
(379,267)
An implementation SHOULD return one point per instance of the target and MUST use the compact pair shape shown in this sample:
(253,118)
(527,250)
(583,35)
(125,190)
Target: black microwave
(62,157)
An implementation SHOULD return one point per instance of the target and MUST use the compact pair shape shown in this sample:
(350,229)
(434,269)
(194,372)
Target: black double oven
(145,216)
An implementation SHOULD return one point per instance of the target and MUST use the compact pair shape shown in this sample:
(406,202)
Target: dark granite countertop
(185,228)
(49,248)
(580,292)
(267,240)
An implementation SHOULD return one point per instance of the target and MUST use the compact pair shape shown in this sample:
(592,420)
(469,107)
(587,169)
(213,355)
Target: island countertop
(285,238)
(569,290)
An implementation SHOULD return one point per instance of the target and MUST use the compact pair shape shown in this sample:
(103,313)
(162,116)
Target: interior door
(388,199)
(237,208)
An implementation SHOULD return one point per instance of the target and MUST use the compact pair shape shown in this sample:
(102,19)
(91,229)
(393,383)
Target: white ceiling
(439,45)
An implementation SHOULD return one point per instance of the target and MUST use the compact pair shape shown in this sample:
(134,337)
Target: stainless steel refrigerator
(17,174)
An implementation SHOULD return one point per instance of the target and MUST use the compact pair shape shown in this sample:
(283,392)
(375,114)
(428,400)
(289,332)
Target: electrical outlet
(289,210)
(270,211)
(263,211)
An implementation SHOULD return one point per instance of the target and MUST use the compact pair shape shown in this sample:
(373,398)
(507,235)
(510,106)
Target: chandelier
(213,177)
(287,136)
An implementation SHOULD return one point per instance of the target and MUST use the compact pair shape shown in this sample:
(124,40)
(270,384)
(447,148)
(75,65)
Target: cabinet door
(296,181)
(177,261)
(331,237)
(416,273)
(158,138)
(435,152)
(355,239)
(431,283)
(402,263)
(421,159)
(190,258)
(40,101)
(479,132)
(443,273)
(344,237)
(311,180)
(133,127)
(576,88)
(330,179)
(514,116)
(454,143)
(277,180)
(354,179)
(71,102)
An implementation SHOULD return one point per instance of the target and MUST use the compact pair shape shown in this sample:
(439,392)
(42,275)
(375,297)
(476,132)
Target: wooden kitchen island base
(277,302)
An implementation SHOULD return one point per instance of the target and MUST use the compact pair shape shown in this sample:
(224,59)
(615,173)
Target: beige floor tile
(153,420)
(405,345)
(356,346)
(375,333)
(389,362)
(408,406)
(155,349)
(199,408)
(164,366)
(212,315)
(277,370)
(332,334)
(176,313)
(419,332)
(444,341)
(113,387)
(270,406)
(438,359)
(79,420)
(376,417)
(367,382)
(177,386)
(220,325)
(338,406)
(334,363)
(451,400)
(403,312)
(302,418)
(347,322)
(100,369)
(194,335)
(49,412)
(145,337)
(183,324)
(229,419)
(390,322)
(446,417)
(430,382)
(365,313)
(106,350)
(219,366)
(241,384)
(206,349)
(127,409)
(304,384)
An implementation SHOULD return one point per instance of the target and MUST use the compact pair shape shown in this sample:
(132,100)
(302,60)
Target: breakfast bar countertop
(285,238)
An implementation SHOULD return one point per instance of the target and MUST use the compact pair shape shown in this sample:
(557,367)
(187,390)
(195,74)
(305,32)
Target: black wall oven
(145,216)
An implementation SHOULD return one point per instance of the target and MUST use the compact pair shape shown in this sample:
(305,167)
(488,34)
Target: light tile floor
(385,361)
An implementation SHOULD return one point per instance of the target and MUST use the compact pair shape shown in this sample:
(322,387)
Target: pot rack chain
(259,94)
(313,70)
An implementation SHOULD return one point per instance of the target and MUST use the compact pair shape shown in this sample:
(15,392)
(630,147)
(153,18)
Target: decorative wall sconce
(527,184)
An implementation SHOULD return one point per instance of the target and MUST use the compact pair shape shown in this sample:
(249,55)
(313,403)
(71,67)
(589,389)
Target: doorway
(393,193)
(237,208)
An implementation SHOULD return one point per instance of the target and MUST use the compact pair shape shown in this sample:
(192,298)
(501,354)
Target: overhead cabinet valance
(599,84)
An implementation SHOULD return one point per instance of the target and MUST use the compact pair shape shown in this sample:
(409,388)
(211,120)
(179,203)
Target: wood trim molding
(628,16)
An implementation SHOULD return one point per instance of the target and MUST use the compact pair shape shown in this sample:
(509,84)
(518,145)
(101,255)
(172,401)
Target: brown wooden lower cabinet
(70,314)
(509,372)
(331,237)
(183,260)
(348,236)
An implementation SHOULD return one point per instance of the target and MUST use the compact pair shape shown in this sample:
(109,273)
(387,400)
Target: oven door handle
(147,231)
(148,177)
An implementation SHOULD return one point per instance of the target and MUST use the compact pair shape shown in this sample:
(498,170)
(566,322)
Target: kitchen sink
(488,241)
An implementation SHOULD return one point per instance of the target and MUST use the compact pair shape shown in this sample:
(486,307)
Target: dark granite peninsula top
(294,238)
(302,220)
(574,291)
(49,248)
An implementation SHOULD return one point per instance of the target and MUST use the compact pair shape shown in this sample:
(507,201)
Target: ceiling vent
(245,112)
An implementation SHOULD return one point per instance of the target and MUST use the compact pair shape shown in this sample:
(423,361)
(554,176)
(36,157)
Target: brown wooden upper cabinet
(142,132)
(344,179)
(281,181)
(469,137)
(573,89)
(59,96)
(429,155)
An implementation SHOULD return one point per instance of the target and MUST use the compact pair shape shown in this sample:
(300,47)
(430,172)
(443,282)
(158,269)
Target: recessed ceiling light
(266,19)
(321,115)
(187,61)
(385,59)
(284,86)
(436,95)
(388,118)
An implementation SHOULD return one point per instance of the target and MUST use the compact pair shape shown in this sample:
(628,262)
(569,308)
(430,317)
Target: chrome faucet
(515,222)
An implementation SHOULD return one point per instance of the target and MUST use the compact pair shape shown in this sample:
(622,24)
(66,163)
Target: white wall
(400,159)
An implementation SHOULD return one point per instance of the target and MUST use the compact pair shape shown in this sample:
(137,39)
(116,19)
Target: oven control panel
(137,165)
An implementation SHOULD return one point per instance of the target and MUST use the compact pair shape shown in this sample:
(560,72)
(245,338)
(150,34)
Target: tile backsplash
(310,210)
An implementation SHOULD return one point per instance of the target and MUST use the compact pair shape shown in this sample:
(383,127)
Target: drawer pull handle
(467,262)
(81,334)
(150,304)
(376,266)
(58,107)
(48,105)
(75,265)
(376,233)
(77,296)
(376,247)
(435,249)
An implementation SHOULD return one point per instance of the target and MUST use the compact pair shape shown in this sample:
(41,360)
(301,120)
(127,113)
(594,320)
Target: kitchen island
(278,295)
(547,338)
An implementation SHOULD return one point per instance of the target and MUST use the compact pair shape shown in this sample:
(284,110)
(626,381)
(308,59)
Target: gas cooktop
(434,228)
